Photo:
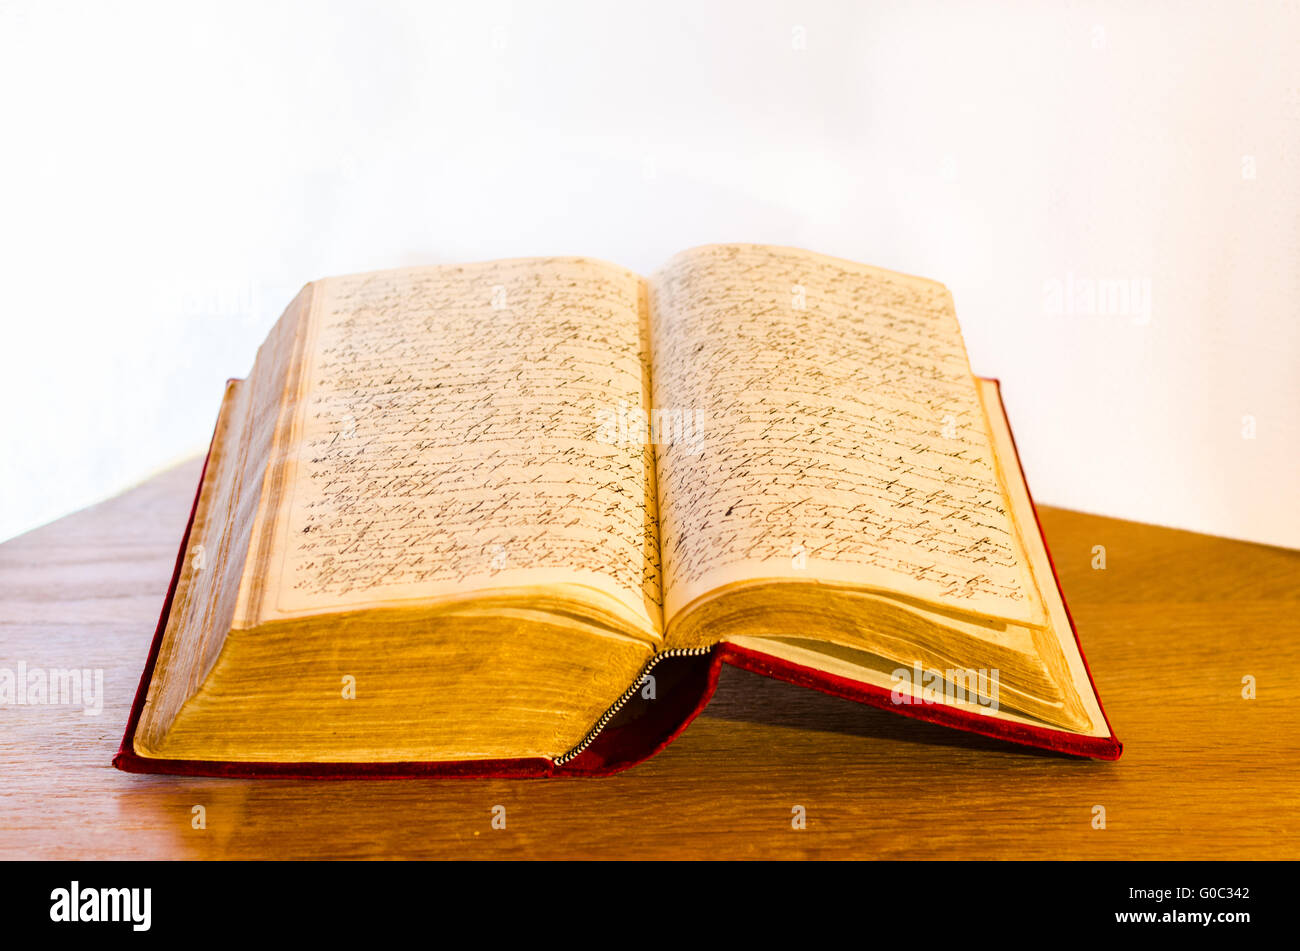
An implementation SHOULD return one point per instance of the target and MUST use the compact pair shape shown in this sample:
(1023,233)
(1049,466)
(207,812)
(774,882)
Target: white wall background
(172,173)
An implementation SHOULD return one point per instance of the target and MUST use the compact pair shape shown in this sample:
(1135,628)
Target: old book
(510,518)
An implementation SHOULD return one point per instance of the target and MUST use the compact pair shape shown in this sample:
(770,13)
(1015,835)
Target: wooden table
(1170,627)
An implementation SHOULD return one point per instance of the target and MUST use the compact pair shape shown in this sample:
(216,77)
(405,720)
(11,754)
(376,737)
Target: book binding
(625,742)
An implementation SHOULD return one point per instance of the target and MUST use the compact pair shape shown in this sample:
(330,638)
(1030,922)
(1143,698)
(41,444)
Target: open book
(509,518)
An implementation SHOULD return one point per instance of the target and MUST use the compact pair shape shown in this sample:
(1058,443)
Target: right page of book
(839,435)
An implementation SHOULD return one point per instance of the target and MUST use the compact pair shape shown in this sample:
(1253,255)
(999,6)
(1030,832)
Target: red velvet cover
(625,741)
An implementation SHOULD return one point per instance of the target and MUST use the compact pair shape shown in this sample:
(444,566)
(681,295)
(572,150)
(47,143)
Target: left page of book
(445,443)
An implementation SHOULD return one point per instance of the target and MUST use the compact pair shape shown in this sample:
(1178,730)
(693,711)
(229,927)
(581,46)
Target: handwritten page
(446,441)
(843,437)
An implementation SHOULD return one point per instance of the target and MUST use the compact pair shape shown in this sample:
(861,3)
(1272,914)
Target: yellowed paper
(445,442)
(843,436)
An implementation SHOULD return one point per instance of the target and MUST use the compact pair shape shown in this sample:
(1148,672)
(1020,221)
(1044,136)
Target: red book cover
(638,730)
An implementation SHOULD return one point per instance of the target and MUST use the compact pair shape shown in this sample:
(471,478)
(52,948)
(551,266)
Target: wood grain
(1170,628)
